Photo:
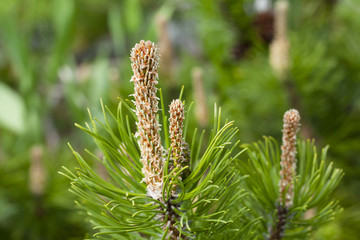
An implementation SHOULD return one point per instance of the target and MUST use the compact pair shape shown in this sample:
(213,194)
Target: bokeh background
(59,57)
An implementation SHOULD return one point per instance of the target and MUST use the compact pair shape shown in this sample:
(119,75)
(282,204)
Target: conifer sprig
(184,192)
(137,201)
(313,184)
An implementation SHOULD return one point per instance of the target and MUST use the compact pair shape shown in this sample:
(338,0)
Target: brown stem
(277,231)
(172,217)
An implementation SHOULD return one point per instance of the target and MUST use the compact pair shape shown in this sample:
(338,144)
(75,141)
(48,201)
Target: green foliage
(314,182)
(14,106)
(25,215)
(323,72)
(45,80)
(43,41)
(32,69)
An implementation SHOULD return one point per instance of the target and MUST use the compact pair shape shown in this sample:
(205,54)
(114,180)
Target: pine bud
(288,157)
(281,11)
(201,110)
(279,49)
(179,148)
(166,50)
(37,173)
(144,58)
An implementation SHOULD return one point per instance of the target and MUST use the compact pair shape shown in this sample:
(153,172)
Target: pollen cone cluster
(180,153)
(288,157)
(144,63)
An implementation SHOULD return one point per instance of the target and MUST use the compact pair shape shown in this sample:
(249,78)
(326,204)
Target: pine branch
(149,192)
(307,188)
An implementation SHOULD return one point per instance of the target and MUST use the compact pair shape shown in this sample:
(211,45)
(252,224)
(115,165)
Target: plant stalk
(277,231)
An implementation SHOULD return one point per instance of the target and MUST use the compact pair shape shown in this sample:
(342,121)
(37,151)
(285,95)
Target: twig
(278,230)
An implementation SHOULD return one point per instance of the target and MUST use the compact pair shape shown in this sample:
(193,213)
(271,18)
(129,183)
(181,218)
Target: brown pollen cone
(288,156)
(179,148)
(144,63)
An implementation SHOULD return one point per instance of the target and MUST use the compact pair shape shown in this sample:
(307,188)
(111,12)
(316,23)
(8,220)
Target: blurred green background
(59,57)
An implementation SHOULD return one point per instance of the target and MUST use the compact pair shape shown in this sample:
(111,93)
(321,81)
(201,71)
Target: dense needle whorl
(288,156)
(144,63)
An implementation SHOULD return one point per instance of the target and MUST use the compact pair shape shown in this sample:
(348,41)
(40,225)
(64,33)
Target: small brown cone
(288,156)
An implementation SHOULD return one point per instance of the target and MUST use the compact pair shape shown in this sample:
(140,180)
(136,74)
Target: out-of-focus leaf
(116,28)
(63,18)
(133,15)
(99,82)
(62,14)
(12,110)
(17,50)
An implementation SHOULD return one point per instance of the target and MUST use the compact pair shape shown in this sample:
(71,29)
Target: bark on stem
(278,230)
